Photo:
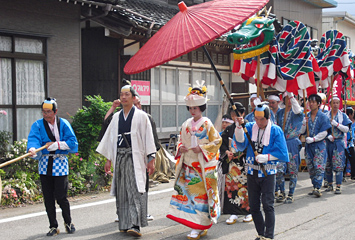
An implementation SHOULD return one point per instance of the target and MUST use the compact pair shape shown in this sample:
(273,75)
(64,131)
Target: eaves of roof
(143,12)
(323,3)
(340,15)
(127,17)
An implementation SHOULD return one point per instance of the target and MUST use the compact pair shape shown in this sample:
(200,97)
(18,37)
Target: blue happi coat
(38,137)
(277,148)
(336,149)
(315,153)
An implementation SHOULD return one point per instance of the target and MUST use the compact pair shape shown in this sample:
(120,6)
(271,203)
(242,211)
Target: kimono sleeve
(225,139)
(34,139)
(346,121)
(277,146)
(323,123)
(69,137)
(242,146)
(178,146)
(211,149)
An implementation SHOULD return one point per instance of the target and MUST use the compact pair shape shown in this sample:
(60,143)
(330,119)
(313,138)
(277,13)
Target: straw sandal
(194,235)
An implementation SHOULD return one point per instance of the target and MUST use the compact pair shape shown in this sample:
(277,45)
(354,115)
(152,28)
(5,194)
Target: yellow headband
(259,114)
(47,105)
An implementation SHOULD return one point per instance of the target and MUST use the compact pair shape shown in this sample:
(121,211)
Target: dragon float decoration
(287,62)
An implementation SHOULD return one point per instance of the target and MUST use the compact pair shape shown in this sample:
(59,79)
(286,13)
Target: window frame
(13,56)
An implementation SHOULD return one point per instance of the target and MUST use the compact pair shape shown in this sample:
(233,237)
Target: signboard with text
(143,89)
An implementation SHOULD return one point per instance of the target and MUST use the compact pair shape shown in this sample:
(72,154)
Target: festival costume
(336,149)
(196,204)
(53,166)
(235,192)
(292,131)
(315,152)
(129,143)
(269,143)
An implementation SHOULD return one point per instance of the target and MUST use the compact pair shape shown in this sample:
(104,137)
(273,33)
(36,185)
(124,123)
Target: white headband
(335,98)
(253,96)
(227,120)
(273,97)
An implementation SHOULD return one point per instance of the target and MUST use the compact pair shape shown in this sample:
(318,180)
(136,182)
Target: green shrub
(22,179)
(87,123)
(5,138)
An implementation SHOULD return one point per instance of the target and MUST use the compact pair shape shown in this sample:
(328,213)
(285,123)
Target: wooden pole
(260,91)
(305,110)
(285,115)
(331,97)
(258,77)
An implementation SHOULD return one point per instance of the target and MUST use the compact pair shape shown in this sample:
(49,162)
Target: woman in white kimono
(196,204)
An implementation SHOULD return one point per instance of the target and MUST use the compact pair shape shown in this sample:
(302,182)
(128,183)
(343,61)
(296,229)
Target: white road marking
(11,219)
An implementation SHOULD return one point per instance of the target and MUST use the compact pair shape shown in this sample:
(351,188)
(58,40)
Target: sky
(343,5)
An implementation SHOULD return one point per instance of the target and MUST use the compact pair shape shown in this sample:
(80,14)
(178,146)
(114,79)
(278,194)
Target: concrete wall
(61,21)
(299,10)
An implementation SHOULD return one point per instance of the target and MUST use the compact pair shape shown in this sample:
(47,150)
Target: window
(22,81)
(170,86)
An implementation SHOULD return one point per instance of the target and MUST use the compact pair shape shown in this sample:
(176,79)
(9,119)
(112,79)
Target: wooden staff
(21,157)
(331,109)
(305,110)
(285,115)
(259,88)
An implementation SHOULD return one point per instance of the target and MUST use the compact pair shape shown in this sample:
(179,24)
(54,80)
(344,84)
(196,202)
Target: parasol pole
(232,104)
(305,110)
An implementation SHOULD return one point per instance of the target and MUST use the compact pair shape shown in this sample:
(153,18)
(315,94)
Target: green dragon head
(253,37)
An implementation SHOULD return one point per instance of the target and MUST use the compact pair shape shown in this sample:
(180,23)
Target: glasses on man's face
(47,112)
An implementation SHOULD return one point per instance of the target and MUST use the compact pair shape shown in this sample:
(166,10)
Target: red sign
(143,89)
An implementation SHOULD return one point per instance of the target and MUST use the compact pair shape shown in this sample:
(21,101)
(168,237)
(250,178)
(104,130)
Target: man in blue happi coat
(270,145)
(53,166)
(293,123)
(315,150)
(335,145)
(254,100)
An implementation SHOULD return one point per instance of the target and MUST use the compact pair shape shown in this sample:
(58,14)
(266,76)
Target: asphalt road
(329,217)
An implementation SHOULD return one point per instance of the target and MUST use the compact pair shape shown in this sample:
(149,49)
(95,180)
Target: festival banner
(337,89)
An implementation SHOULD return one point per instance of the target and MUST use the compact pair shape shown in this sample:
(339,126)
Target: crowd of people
(235,171)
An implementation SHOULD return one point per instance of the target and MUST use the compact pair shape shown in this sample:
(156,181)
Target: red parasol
(190,29)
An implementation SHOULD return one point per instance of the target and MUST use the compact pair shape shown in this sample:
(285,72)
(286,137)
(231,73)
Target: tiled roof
(125,14)
(142,12)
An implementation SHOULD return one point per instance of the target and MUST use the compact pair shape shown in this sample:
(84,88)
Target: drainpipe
(107,8)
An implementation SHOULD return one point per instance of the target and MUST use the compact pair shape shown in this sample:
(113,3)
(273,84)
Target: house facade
(40,56)
(73,48)
(342,21)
